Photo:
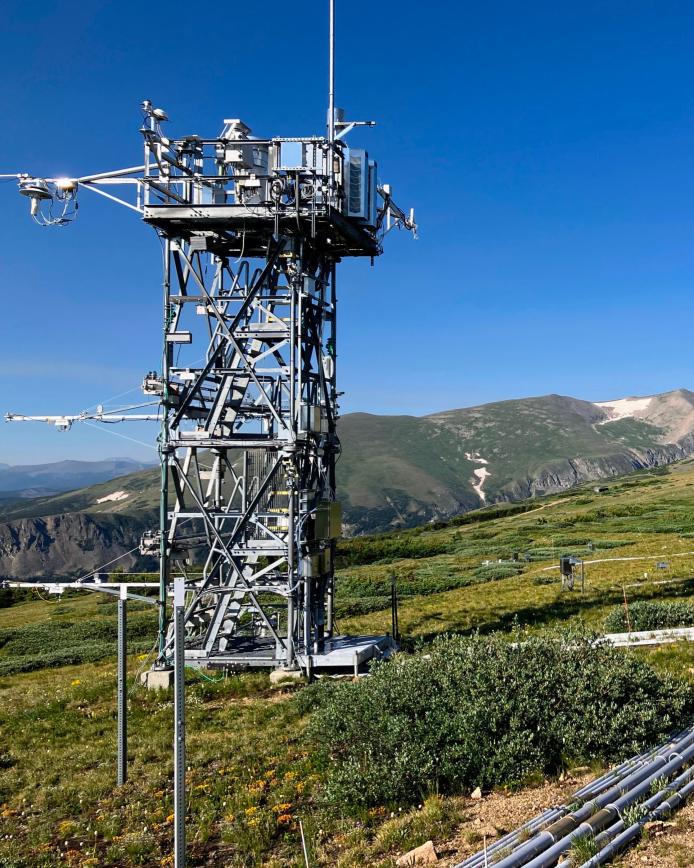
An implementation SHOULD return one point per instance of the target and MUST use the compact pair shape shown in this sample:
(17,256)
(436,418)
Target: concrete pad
(158,679)
(277,676)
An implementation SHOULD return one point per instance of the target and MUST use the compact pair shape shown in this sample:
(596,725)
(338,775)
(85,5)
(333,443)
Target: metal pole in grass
(122,767)
(303,844)
(179,726)
(394,607)
(626,609)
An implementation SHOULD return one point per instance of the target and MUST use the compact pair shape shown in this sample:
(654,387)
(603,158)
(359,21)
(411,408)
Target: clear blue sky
(547,147)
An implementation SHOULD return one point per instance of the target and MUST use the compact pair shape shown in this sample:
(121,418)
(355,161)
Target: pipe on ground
(585,793)
(543,849)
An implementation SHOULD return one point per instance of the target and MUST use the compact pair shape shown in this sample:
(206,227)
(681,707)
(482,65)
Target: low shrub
(612,543)
(355,606)
(374,549)
(46,636)
(548,553)
(355,596)
(490,513)
(70,655)
(650,615)
(480,711)
(491,572)
(547,579)
(62,642)
(564,541)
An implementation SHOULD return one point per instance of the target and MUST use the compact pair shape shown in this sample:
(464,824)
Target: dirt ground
(666,845)
(498,813)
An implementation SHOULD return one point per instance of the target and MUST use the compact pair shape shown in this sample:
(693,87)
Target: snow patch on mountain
(116,495)
(623,408)
(481,473)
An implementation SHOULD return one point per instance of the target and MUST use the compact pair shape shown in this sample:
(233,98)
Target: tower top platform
(240,190)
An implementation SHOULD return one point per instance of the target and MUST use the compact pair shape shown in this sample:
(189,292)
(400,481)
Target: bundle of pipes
(602,813)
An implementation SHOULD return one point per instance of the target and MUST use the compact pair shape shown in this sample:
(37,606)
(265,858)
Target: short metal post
(330,597)
(394,607)
(122,770)
(179,726)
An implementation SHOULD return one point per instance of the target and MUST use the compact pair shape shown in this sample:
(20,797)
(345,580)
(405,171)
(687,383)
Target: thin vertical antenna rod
(331,76)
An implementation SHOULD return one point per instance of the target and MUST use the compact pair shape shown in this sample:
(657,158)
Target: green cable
(206,677)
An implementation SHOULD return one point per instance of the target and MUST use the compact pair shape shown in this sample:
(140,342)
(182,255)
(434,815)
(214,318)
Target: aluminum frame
(253,230)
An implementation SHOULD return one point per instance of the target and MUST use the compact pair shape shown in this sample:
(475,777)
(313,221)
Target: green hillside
(404,470)
(141,488)
(393,472)
(462,575)
(254,771)
(528,435)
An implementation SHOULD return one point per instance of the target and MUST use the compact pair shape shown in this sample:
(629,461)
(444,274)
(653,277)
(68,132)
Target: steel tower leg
(164,568)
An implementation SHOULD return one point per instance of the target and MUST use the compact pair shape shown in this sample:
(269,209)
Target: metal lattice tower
(253,230)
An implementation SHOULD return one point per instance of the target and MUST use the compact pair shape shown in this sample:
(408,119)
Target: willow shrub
(650,615)
(480,711)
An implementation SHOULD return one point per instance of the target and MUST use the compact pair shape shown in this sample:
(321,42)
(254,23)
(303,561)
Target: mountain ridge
(394,471)
(34,480)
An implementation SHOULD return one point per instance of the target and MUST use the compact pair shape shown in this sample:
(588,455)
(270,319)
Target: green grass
(245,759)
(248,749)
(583,849)
(79,629)
(646,516)
(252,775)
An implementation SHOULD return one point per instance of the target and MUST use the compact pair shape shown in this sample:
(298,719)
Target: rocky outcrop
(403,510)
(70,545)
(558,476)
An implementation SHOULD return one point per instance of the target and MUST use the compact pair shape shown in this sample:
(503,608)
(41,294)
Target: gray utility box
(328,520)
(360,186)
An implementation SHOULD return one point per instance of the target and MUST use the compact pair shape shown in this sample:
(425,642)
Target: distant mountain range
(34,480)
(393,471)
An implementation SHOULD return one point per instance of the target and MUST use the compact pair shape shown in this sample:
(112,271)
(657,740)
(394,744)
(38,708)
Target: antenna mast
(331,76)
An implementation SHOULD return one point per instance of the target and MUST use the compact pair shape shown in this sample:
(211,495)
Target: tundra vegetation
(375,767)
